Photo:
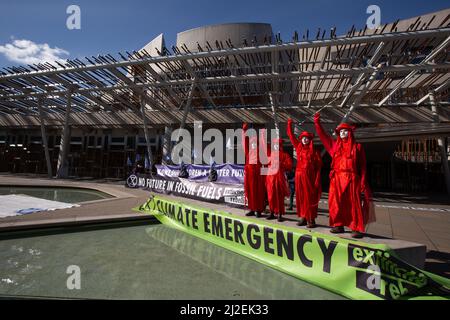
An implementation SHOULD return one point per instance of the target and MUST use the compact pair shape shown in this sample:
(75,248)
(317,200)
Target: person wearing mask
(254,182)
(307,176)
(276,183)
(347,181)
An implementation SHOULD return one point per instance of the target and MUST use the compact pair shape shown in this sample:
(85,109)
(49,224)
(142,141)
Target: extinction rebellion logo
(132,181)
(384,275)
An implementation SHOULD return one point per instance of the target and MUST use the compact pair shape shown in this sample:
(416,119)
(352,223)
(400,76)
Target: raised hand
(317,117)
(289,122)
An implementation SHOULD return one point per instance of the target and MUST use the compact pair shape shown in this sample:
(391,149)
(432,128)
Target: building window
(35,140)
(76,140)
(91,141)
(118,140)
(131,142)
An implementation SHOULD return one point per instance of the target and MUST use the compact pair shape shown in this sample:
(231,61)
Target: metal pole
(62,168)
(296,134)
(187,107)
(441,143)
(357,100)
(167,144)
(429,58)
(274,113)
(407,35)
(362,76)
(186,110)
(147,136)
(44,138)
(246,77)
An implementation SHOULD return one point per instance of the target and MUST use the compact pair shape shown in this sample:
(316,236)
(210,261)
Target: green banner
(343,266)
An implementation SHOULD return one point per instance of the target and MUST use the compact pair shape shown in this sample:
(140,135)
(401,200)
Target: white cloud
(28,52)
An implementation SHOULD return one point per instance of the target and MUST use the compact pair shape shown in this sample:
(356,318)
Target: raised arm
(244,139)
(291,135)
(264,156)
(326,139)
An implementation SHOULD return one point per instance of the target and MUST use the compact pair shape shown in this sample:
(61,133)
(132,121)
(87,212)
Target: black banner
(232,195)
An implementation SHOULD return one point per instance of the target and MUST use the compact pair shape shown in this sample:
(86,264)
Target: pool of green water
(137,262)
(68,195)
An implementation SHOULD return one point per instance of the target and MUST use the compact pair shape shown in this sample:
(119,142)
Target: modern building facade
(97,118)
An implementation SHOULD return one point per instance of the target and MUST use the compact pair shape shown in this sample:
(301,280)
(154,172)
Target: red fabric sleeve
(245,141)
(287,162)
(327,141)
(291,135)
(262,141)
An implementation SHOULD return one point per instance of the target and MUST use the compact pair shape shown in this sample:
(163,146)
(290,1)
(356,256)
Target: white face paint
(343,133)
(305,140)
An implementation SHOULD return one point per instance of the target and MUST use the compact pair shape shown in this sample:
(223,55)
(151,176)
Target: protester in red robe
(254,182)
(307,176)
(276,181)
(347,181)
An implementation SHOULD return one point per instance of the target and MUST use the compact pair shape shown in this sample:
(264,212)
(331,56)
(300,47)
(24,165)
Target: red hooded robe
(254,187)
(347,180)
(307,175)
(276,183)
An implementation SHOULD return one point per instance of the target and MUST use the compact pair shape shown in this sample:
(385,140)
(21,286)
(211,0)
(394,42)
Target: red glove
(317,117)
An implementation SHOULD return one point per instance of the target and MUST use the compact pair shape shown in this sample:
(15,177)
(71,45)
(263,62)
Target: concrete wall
(237,32)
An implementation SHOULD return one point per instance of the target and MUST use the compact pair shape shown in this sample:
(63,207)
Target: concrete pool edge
(116,208)
(113,194)
(73,222)
(24,181)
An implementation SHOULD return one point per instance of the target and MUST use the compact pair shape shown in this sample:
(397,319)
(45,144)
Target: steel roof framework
(381,77)
(388,69)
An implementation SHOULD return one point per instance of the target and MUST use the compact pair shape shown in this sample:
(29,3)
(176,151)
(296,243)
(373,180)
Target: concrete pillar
(44,138)
(63,168)
(441,143)
(147,135)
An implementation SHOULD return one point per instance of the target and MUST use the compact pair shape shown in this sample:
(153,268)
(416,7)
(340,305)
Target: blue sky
(112,26)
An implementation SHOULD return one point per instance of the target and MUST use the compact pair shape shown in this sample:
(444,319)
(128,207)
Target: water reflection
(262,279)
(126,263)
(17,264)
